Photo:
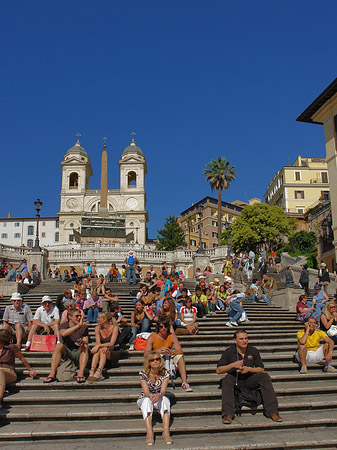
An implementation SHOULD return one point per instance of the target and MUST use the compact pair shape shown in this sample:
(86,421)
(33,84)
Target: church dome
(77,148)
(133,148)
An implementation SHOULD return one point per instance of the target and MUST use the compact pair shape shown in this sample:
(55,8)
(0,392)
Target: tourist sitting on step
(100,286)
(73,274)
(17,318)
(69,304)
(221,295)
(212,301)
(257,295)
(46,321)
(75,345)
(81,298)
(62,298)
(113,274)
(106,346)
(305,310)
(124,328)
(154,380)
(8,353)
(66,276)
(93,306)
(188,317)
(167,344)
(107,299)
(168,312)
(244,368)
(28,280)
(10,274)
(329,320)
(148,282)
(140,322)
(320,298)
(199,300)
(310,350)
(268,286)
(235,309)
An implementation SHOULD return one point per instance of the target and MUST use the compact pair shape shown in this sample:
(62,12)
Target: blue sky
(194,79)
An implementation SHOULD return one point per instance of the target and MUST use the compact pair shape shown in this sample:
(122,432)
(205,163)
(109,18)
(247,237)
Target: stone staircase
(69,415)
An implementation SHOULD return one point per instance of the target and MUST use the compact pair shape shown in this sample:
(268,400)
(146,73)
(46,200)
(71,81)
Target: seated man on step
(75,345)
(309,349)
(244,368)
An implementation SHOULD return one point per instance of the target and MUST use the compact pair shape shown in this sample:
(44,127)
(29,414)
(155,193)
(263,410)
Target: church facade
(90,215)
(105,215)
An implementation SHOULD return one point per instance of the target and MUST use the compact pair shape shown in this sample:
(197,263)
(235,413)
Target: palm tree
(220,174)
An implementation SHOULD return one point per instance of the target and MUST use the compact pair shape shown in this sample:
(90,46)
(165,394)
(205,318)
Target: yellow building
(323,111)
(190,220)
(298,187)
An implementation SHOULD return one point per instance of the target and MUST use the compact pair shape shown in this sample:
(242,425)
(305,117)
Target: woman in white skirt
(154,380)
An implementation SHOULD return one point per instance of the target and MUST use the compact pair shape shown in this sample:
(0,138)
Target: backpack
(131,260)
(246,397)
(66,371)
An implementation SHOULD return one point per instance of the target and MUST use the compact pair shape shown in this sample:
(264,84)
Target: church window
(111,208)
(71,225)
(73,180)
(131,224)
(57,236)
(30,230)
(30,243)
(71,238)
(132,179)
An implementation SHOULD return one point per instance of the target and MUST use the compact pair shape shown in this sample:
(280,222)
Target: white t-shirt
(188,313)
(44,317)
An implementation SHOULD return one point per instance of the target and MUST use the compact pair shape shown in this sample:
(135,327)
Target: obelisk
(103,209)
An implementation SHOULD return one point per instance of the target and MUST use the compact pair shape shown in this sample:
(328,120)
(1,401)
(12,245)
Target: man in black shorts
(244,368)
(74,334)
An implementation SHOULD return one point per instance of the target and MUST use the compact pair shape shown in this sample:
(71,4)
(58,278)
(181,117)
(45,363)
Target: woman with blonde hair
(106,347)
(329,318)
(8,353)
(154,379)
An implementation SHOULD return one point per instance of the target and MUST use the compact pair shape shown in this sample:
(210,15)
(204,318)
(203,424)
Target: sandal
(80,380)
(167,439)
(49,379)
(149,440)
(100,378)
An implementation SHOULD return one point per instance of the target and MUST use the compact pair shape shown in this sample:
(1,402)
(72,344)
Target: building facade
(190,222)
(21,231)
(90,215)
(298,187)
(323,111)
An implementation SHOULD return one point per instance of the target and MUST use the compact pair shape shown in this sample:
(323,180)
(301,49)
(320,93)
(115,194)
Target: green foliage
(219,173)
(303,241)
(172,235)
(259,225)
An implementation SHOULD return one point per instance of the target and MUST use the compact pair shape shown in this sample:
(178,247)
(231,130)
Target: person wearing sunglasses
(75,345)
(154,379)
(329,320)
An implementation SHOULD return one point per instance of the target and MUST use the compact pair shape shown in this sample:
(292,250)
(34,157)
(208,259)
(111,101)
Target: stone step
(63,429)
(96,410)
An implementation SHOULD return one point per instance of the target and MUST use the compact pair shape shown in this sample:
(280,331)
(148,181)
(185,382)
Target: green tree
(171,236)
(219,173)
(303,241)
(259,225)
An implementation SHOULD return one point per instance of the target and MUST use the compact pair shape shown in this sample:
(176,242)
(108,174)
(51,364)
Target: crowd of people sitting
(163,309)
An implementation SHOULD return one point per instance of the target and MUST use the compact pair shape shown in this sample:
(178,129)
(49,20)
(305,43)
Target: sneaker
(229,324)
(131,348)
(330,369)
(186,387)
(304,369)
(234,324)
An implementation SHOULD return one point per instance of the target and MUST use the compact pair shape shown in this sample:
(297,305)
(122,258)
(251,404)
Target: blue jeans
(255,297)
(131,272)
(145,328)
(92,314)
(235,306)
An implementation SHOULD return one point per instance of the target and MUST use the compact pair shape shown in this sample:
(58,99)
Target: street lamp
(38,205)
(199,211)
(229,237)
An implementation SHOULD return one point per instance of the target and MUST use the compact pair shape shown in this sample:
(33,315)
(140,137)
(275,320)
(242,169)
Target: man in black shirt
(244,367)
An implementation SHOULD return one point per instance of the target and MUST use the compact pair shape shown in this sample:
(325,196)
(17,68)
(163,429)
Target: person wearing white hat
(46,318)
(17,318)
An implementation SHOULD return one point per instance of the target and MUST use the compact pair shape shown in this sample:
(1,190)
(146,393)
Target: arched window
(30,230)
(73,180)
(132,179)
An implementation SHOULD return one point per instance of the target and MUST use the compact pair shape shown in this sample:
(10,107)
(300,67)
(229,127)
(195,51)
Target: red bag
(43,342)
(140,343)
